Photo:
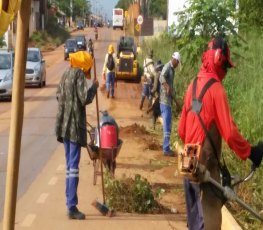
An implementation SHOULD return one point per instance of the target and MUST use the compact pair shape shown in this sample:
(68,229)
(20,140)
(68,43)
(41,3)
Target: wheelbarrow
(109,155)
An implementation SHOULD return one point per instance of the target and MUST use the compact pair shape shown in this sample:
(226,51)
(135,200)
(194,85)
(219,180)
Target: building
(37,21)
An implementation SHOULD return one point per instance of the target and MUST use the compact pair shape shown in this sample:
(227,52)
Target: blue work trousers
(110,80)
(72,154)
(195,217)
(166,112)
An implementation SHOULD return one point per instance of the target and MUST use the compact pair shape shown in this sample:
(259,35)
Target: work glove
(256,154)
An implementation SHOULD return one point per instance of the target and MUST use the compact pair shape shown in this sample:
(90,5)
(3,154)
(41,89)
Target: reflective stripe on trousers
(72,154)
(166,112)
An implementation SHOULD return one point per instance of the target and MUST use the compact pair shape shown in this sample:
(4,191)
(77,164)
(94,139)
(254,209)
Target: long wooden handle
(98,125)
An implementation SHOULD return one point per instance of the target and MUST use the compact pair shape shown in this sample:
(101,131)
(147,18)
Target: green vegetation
(124,4)
(131,195)
(52,37)
(243,85)
(155,8)
(244,88)
(81,8)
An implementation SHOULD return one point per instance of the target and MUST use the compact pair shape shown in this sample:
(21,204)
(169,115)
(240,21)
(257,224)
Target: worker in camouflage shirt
(73,94)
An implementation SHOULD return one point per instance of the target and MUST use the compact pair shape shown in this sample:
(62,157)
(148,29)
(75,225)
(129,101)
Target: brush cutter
(101,207)
(228,192)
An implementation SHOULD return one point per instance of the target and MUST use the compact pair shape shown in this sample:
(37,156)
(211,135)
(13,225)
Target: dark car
(80,26)
(70,47)
(81,42)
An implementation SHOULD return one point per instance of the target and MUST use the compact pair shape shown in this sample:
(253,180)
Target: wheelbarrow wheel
(96,165)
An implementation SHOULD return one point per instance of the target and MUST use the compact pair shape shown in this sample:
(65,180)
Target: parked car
(6,73)
(70,47)
(35,68)
(81,41)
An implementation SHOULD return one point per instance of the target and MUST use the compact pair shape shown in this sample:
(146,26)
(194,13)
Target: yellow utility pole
(17,114)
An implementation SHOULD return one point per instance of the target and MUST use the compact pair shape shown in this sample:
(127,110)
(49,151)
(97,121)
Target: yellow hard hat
(110,49)
(81,59)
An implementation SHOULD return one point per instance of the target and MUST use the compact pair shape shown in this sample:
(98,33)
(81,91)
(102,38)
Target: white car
(35,68)
(7,59)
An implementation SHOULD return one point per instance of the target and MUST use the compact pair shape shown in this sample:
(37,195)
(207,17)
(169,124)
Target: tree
(158,9)
(123,4)
(200,21)
(80,7)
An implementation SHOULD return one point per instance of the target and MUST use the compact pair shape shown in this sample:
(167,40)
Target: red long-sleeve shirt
(215,109)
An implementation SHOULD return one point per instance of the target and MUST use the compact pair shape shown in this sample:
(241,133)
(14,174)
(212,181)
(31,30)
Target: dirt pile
(140,133)
(141,154)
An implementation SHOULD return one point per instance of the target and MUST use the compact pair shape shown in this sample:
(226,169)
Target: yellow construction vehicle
(127,64)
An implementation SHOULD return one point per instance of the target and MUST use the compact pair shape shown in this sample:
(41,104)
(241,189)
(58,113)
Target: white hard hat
(176,56)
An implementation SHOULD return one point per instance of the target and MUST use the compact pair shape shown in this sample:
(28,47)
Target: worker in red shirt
(217,122)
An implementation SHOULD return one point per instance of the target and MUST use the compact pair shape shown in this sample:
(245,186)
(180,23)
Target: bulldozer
(127,65)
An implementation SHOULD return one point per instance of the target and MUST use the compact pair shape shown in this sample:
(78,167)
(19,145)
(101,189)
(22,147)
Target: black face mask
(226,65)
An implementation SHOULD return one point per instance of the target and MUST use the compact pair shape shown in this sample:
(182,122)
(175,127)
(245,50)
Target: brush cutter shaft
(228,192)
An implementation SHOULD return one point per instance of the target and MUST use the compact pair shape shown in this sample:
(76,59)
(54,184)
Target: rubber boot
(142,100)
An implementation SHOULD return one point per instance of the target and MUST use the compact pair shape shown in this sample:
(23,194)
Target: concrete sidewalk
(43,205)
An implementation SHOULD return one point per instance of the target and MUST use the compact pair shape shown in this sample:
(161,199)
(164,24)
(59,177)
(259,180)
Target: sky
(103,7)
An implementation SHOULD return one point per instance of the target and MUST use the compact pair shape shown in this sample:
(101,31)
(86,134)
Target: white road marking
(61,167)
(53,181)
(28,221)
(42,198)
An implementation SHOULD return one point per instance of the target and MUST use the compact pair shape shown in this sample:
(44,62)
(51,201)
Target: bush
(55,30)
(54,36)
(131,195)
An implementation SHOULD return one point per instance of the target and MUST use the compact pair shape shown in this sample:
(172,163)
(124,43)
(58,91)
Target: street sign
(140,19)
(137,27)
(145,29)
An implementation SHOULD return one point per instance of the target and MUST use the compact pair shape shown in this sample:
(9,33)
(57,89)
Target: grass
(244,86)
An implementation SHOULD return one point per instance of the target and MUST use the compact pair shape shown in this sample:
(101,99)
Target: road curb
(228,221)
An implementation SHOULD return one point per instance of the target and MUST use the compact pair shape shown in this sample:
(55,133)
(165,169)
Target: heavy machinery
(127,64)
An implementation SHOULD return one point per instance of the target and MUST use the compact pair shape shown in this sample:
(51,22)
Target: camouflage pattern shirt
(73,95)
(167,75)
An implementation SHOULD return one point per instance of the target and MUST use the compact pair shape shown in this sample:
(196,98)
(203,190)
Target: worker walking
(108,71)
